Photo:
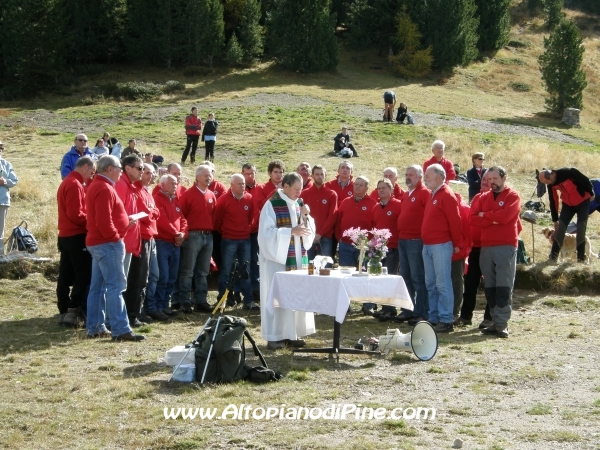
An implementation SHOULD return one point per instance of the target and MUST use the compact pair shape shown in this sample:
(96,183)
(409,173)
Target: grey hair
(346,163)
(387,182)
(149,166)
(203,167)
(438,143)
(362,177)
(392,169)
(166,177)
(291,178)
(438,170)
(417,168)
(106,161)
(237,176)
(85,161)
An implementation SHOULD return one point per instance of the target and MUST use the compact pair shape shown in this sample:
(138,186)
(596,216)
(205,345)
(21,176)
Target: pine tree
(251,32)
(494,23)
(301,35)
(553,10)
(410,61)
(560,65)
(535,5)
(451,29)
(234,53)
(211,35)
(359,35)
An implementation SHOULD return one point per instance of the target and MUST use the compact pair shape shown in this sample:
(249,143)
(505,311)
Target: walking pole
(533,243)
(218,308)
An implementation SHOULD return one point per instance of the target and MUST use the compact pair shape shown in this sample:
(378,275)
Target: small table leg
(335,349)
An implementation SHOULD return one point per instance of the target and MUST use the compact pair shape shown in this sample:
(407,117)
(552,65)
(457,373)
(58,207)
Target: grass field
(539,389)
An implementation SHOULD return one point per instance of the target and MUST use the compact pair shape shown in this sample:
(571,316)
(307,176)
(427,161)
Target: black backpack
(227,361)
(21,240)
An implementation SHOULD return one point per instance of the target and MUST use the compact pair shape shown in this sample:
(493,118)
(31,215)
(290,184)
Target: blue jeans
(324,247)
(410,252)
(194,261)
(230,250)
(254,269)
(437,260)
(108,283)
(167,258)
(152,279)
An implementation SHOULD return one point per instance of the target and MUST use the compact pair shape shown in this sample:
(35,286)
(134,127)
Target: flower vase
(374,267)
(361,258)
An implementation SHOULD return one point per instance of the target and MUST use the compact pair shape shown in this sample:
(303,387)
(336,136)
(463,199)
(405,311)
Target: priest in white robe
(283,240)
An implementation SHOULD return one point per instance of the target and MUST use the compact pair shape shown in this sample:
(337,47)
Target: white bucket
(186,373)
(173,356)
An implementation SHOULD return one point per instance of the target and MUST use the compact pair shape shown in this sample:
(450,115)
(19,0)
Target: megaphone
(422,341)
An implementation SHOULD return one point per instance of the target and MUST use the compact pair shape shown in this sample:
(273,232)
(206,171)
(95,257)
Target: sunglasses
(138,168)
(481,159)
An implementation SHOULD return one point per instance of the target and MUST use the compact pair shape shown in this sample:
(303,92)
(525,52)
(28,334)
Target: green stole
(283,220)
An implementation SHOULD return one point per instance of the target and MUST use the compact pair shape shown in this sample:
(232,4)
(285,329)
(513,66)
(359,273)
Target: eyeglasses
(140,168)
(481,159)
(82,140)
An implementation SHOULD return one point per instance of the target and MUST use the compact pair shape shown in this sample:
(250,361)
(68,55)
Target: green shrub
(521,87)
(173,86)
(510,61)
(516,43)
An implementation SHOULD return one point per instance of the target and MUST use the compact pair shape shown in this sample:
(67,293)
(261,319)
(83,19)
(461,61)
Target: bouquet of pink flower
(377,245)
(358,237)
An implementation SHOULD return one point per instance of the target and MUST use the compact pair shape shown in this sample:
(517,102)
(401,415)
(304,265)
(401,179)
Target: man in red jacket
(355,212)
(107,223)
(343,184)
(175,170)
(323,207)
(410,244)
(137,277)
(193,127)
(198,205)
(233,219)
(276,169)
(171,228)
(576,194)
(438,148)
(442,237)
(390,173)
(252,188)
(497,214)
(458,259)
(304,171)
(75,267)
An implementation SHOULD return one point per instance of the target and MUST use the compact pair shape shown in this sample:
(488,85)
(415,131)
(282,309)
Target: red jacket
(475,231)
(264,192)
(397,194)
(233,217)
(71,206)
(412,209)
(128,194)
(465,212)
(504,210)
(146,204)
(445,163)
(323,208)
(254,191)
(441,219)
(217,188)
(193,124)
(171,220)
(308,185)
(342,192)
(198,209)
(107,220)
(352,214)
(387,217)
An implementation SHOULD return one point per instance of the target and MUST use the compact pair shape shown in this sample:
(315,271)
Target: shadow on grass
(143,370)
(33,334)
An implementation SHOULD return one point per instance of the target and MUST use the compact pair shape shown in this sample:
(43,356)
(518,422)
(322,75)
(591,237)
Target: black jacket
(474,181)
(210,128)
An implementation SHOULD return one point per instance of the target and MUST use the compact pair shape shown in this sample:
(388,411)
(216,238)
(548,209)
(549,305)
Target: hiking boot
(368,311)
(158,315)
(202,308)
(136,323)
(252,307)
(462,322)
(295,342)
(130,337)
(275,345)
(415,320)
(403,316)
(61,318)
(74,318)
(186,308)
(231,300)
(169,312)
(387,316)
(490,330)
(102,334)
(145,317)
(485,324)
(444,327)
(502,332)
